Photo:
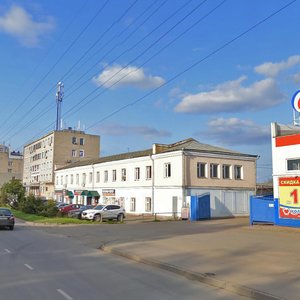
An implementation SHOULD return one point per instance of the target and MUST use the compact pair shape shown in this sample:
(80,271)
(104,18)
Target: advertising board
(289,201)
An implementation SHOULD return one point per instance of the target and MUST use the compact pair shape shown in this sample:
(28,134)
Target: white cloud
(121,130)
(232,97)
(117,76)
(20,24)
(296,78)
(234,131)
(273,69)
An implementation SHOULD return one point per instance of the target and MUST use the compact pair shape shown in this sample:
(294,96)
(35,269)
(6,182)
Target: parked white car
(101,212)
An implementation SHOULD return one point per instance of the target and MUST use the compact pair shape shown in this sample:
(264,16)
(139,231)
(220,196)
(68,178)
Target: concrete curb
(203,278)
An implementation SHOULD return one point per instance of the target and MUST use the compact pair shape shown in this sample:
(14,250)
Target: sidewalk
(260,261)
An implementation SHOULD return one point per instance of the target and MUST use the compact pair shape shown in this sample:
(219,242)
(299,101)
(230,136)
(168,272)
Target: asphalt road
(64,263)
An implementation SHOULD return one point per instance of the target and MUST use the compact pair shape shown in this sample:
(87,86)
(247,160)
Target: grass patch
(40,219)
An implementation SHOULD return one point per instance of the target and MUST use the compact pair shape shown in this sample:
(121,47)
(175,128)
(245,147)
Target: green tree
(12,193)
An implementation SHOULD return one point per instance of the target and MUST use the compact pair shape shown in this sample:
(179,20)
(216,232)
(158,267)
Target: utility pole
(59,98)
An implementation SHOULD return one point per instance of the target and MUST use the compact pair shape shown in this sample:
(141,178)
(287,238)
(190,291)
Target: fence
(262,209)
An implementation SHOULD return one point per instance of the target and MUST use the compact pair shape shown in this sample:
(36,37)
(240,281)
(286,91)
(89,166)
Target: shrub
(30,205)
(49,209)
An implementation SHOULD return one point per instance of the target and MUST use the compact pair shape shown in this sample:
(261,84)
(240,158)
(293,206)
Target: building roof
(184,145)
(193,145)
(59,132)
(284,130)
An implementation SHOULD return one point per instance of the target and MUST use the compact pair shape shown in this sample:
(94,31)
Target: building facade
(11,165)
(285,153)
(52,151)
(286,172)
(162,179)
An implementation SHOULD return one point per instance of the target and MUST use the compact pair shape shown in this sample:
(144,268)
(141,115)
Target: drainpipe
(93,178)
(152,183)
(183,179)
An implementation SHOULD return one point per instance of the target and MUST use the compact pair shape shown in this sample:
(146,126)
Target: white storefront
(159,180)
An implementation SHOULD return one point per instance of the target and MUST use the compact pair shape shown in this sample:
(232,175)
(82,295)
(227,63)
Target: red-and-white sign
(296,101)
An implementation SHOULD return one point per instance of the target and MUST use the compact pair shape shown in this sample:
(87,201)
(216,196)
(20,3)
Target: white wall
(280,155)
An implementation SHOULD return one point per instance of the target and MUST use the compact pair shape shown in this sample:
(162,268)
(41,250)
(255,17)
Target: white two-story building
(161,179)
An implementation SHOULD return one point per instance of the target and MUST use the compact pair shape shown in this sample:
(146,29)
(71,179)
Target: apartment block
(52,151)
(11,165)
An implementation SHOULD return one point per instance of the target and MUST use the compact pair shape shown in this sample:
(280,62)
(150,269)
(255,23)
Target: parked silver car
(76,213)
(101,212)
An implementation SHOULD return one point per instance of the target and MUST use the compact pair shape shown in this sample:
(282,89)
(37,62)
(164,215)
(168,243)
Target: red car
(65,209)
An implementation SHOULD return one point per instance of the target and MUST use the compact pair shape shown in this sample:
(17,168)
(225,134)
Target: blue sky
(138,72)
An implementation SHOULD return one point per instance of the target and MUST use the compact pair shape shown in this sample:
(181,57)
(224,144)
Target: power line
(100,38)
(119,43)
(57,62)
(194,64)
(193,10)
(132,47)
(40,63)
(91,47)
(172,15)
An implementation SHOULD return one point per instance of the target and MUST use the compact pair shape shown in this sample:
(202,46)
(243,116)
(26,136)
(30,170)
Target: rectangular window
(132,204)
(238,172)
(201,170)
(81,153)
(57,180)
(123,172)
(98,176)
(90,177)
(167,170)
(73,153)
(77,178)
(66,179)
(105,176)
(74,140)
(114,175)
(214,171)
(72,178)
(148,204)
(293,164)
(83,179)
(137,174)
(226,171)
(61,180)
(148,172)
(81,141)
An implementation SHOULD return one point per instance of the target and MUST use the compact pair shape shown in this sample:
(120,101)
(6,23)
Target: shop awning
(93,194)
(84,193)
(70,194)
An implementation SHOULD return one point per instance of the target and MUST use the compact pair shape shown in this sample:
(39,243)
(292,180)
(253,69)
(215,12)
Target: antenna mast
(59,98)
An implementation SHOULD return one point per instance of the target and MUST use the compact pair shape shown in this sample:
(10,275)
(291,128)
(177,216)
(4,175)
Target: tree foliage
(12,193)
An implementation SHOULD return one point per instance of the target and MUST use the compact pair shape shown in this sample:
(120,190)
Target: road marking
(7,250)
(28,266)
(65,294)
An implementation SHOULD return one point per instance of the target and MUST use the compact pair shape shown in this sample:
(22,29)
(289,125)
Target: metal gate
(200,207)
(262,210)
